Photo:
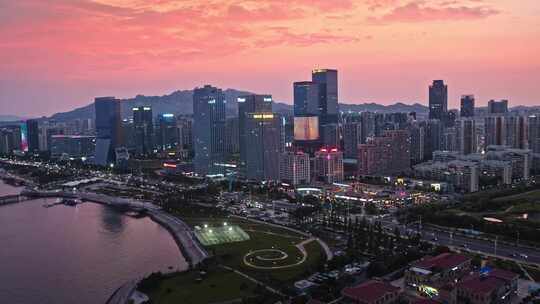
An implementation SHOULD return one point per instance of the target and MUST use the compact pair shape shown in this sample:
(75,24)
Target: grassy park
(272,255)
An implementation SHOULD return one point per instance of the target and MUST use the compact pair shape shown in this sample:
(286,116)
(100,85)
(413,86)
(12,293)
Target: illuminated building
(306,99)
(306,128)
(249,104)
(209,129)
(463,175)
(328,165)
(143,129)
(263,139)
(438,100)
(327,81)
(385,155)
(168,136)
(295,168)
(520,160)
(72,145)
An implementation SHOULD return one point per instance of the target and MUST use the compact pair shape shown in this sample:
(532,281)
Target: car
(435,239)
(523,255)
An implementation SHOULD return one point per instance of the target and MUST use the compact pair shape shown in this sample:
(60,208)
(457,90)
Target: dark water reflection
(76,254)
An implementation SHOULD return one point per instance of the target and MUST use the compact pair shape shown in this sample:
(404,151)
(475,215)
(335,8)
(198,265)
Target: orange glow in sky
(58,54)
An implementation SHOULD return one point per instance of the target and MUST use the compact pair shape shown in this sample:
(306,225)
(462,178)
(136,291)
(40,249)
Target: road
(470,243)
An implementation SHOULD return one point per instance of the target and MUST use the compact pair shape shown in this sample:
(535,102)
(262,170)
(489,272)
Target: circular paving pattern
(271,259)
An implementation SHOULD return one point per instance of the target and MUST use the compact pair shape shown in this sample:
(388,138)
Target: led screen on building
(306,128)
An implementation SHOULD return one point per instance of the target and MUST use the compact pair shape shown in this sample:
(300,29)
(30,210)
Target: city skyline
(58,58)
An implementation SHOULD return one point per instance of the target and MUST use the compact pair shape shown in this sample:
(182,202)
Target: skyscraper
(328,165)
(32,129)
(306,99)
(498,107)
(327,80)
(467,106)
(168,136)
(466,135)
(208,129)
(108,129)
(263,139)
(295,168)
(438,100)
(249,104)
(495,131)
(143,129)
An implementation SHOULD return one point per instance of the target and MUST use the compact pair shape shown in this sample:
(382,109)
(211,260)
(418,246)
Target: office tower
(263,139)
(330,135)
(498,107)
(327,80)
(385,155)
(417,132)
(534,133)
(108,129)
(467,106)
(167,137)
(232,135)
(352,137)
(433,140)
(328,165)
(438,100)
(249,104)
(10,139)
(306,99)
(208,129)
(466,136)
(143,129)
(294,168)
(32,130)
(378,124)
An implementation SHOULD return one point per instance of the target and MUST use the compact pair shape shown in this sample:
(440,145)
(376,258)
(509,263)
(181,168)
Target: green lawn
(217,286)
(533,195)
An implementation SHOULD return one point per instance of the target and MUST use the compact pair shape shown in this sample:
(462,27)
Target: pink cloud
(419,11)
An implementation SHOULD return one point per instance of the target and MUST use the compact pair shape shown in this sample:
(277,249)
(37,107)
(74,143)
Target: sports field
(209,236)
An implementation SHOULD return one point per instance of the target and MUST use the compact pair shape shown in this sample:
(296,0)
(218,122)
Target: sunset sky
(58,54)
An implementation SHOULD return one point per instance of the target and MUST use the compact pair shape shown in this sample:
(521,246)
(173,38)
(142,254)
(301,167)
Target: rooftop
(442,261)
(369,291)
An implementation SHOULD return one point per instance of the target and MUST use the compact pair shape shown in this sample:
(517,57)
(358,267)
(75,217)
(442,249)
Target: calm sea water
(76,254)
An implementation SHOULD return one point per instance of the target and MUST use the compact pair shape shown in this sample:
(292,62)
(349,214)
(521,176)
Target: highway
(470,243)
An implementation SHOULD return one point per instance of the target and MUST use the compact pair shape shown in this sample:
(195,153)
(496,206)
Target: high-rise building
(330,135)
(466,135)
(72,145)
(352,137)
(209,129)
(108,129)
(168,136)
(249,104)
(434,130)
(417,132)
(498,107)
(387,154)
(506,131)
(534,133)
(295,168)
(263,137)
(32,128)
(328,165)
(232,131)
(327,80)
(467,106)
(306,99)
(438,100)
(516,132)
(143,130)
(185,131)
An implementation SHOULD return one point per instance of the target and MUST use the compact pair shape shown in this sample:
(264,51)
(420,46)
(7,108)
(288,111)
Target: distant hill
(180,102)
(6,118)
